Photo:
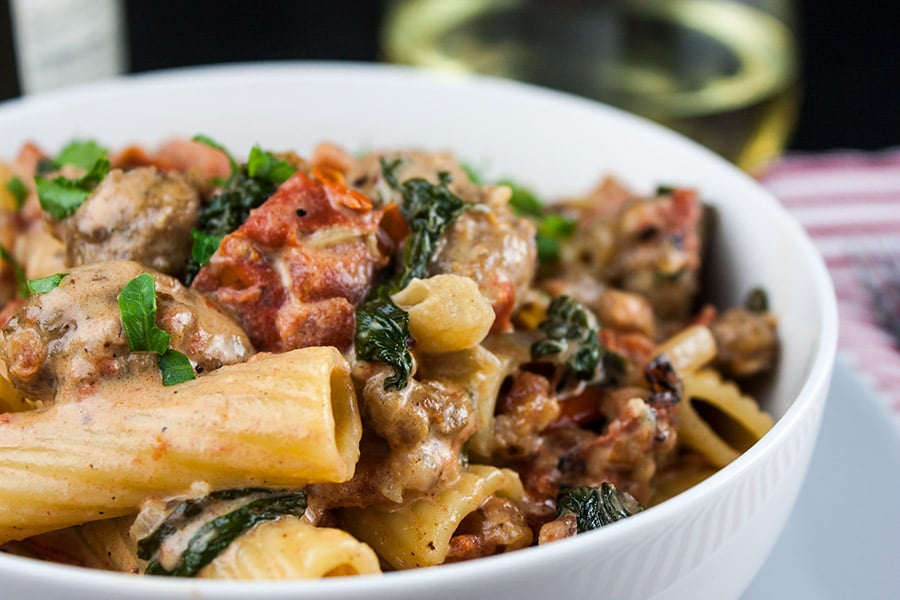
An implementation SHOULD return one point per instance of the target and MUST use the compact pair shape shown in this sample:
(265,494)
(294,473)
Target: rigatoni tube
(277,421)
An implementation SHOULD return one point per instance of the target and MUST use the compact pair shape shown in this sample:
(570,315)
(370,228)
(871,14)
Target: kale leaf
(217,532)
(382,329)
(594,508)
(757,300)
(247,188)
(570,337)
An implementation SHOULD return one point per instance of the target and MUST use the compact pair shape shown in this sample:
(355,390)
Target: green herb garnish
(594,508)
(174,367)
(137,309)
(552,229)
(60,196)
(247,188)
(265,165)
(382,329)
(17,188)
(45,284)
(205,245)
(83,154)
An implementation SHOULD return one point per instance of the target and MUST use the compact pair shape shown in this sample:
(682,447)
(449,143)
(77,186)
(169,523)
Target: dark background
(850,51)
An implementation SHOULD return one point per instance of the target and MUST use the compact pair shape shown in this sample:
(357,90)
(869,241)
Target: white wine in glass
(724,72)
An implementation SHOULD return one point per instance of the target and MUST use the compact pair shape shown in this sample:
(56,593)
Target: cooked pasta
(293,368)
(290,548)
(419,533)
(447,313)
(284,419)
(717,420)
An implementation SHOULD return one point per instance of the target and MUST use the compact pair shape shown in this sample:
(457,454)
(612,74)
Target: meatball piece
(142,215)
(62,344)
(747,342)
(490,244)
(495,248)
(414,442)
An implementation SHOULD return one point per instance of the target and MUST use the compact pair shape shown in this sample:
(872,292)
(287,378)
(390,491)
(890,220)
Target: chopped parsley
(137,309)
(552,229)
(83,154)
(205,245)
(19,192)
(45,284)
(246,188)
(266,166)
(61,196)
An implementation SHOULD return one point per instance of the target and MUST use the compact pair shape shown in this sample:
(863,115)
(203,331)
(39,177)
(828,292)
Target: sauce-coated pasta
(329,366)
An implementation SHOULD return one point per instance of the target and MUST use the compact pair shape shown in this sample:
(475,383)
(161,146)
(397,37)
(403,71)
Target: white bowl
(705,543)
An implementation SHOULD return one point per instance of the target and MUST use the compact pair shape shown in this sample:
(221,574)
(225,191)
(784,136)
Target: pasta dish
(342,364)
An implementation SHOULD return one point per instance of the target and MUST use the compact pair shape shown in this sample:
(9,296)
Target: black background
(850,52)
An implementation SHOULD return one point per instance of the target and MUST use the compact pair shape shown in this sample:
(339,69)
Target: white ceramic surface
(706,543)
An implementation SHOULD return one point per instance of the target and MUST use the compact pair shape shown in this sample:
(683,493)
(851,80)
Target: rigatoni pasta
(279,420)
(352,363)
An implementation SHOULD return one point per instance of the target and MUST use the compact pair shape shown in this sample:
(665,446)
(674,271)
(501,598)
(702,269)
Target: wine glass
(724,72)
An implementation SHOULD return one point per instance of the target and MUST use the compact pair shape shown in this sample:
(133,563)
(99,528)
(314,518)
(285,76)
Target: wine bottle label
(64,42)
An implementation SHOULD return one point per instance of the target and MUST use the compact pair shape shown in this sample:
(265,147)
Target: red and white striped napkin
(849,202)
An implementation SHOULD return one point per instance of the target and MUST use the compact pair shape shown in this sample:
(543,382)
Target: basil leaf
(137,308)
(80,153)
(45,284)
(20,193)
(208,141)
(265,165)
(175,367)
(205,245)
(60,196)
(18,271)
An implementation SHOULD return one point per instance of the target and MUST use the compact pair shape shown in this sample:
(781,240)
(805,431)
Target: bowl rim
(813,388)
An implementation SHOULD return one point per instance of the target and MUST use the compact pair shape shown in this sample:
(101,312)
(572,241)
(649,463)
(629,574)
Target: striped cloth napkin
(849,203)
